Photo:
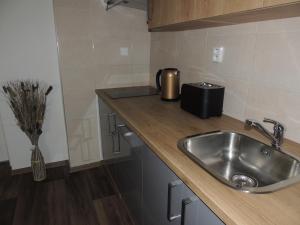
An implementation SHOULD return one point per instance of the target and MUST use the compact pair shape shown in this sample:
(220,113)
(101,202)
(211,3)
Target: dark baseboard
(86,166)
(48,166)
(63,163)
(5,169)
(4,163)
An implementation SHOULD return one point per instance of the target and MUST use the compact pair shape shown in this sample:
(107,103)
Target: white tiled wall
(261,67)
(89,47)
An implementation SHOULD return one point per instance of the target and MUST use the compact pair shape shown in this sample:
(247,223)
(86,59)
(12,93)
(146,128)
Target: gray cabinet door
(128,177)
(167,200)
(195,212)
(126,171)
(157,178)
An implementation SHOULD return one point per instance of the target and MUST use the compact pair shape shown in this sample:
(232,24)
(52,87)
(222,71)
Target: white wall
(28,50)
(261,67)
(90,39)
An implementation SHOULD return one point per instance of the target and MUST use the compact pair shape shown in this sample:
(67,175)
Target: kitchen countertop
(161,124)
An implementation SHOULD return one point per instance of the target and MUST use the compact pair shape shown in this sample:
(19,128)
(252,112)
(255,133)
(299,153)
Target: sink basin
(241,162)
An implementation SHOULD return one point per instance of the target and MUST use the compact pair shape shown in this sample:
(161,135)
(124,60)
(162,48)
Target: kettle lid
(171,69)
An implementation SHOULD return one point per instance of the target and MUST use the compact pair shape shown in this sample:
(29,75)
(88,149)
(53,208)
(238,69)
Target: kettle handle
(158,74)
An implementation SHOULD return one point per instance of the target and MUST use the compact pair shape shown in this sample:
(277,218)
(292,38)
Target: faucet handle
(267,120)
(276,123)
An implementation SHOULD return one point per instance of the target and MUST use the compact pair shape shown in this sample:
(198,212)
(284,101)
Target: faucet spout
(276,137)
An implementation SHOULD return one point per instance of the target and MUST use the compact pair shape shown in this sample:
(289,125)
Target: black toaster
(202,99)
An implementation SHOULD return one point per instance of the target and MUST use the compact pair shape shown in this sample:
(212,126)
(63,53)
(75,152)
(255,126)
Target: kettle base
(170,100)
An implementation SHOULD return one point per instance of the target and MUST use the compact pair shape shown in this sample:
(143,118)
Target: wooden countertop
(161,124)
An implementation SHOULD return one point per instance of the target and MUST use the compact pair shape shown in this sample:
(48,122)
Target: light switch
(218,54)
(124,51)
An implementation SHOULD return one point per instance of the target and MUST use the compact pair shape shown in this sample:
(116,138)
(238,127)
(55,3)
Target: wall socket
(124,51)
(218,54)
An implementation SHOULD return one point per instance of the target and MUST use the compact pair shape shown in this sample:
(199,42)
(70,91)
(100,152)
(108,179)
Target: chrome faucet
(276,137)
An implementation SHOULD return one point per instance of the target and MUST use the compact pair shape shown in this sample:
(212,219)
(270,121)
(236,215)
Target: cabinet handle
(171,186)
(117,149)
(113,131)
(111,118)
(130,137)
(119,126)
(116,134)
(124,131)
(187,213)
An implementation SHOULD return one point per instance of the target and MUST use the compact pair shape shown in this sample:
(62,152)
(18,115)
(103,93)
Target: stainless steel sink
(241,162)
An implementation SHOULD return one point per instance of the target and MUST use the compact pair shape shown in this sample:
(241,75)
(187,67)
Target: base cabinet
(167,200)
(156,178)
(154,195)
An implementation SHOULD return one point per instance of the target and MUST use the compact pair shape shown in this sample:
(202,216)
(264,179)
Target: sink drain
(240,181)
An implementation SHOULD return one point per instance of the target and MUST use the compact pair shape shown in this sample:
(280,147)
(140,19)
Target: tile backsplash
(89,40)
(261,67)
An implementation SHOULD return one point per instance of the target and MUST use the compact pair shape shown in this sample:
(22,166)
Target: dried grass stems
(27,99)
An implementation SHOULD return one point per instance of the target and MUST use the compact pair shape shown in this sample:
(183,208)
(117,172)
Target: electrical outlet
(218,54)
(124,51)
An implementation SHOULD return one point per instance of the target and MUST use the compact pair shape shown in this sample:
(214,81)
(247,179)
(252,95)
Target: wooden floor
(82,198)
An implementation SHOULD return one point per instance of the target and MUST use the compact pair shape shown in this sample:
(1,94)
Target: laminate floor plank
(57,203)
(110,211)
(80,207)
(100,184)
(39,208)
(7,209)
(63,199)
(9,187)
(27,189)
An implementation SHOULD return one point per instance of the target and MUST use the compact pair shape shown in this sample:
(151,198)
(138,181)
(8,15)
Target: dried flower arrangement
(27,99)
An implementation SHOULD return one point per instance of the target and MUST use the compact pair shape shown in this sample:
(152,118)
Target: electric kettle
(167,82)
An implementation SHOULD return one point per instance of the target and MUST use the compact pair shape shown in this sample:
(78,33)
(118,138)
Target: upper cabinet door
(154,9)
(277,2)
(198,9)
(168,12)
(231,6)
(184,14)
(164,12)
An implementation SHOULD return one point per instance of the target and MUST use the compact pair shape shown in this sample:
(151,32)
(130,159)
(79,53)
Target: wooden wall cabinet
(277,2)
(168,15)
(165,12)
(232,6)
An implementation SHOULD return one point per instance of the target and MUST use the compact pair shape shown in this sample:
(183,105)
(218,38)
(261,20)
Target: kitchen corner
(161,112)
(161,124)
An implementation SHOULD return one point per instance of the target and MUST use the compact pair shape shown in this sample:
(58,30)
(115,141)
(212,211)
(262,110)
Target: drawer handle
(186,212)
(112,129)
(171,186)
(116,146)
(111,118)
